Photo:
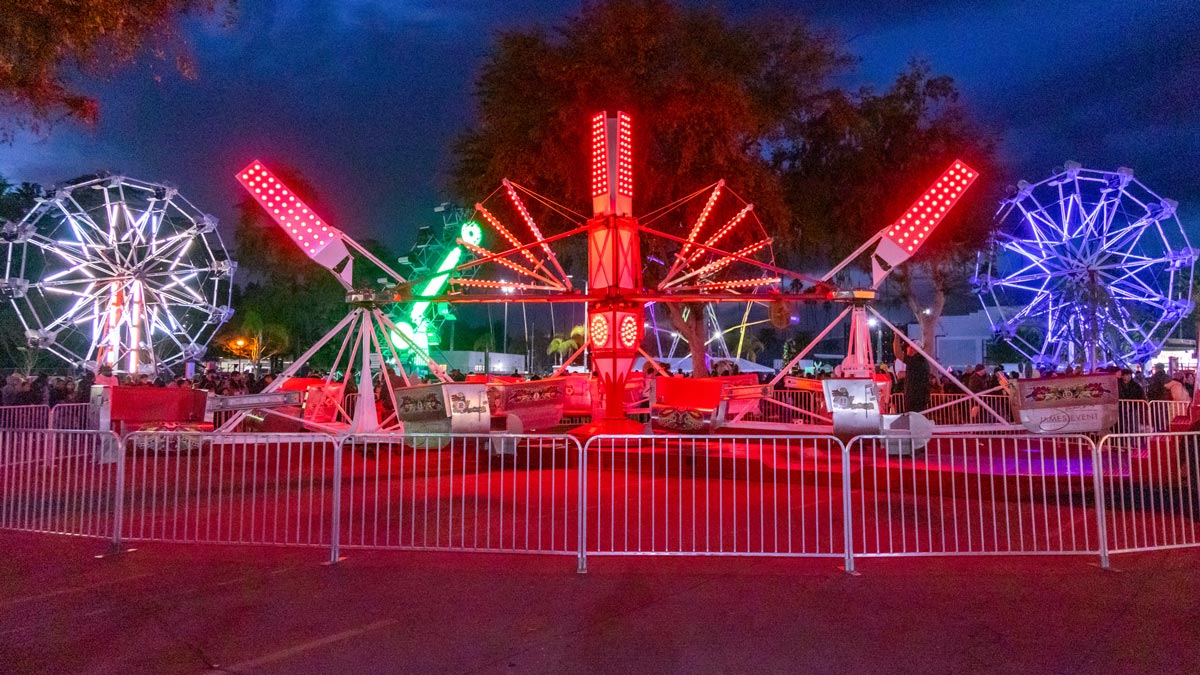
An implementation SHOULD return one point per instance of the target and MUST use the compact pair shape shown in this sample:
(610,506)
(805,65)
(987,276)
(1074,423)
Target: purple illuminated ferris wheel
(1087,267)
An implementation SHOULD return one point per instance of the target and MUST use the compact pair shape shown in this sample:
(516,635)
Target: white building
(961,339)
(496,363)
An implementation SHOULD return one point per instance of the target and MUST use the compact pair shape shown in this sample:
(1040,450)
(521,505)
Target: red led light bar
(901,240)
(624,155)
(919,221)
(599,157)
(612,164)
(295,217)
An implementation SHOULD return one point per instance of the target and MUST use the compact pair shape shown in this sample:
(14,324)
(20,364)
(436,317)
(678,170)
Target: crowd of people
(916,379)
(43,389)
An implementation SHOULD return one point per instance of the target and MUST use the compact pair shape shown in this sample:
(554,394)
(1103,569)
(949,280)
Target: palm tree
(566,346)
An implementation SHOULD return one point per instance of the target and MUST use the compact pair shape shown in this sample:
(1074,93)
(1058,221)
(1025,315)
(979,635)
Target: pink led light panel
(599,157)
(304,227)
(918,222)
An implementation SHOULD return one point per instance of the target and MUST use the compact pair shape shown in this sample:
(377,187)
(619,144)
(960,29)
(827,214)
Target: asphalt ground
(189,608)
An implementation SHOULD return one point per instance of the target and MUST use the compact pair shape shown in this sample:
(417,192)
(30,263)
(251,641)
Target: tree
(751,347)
(17,200)
(864,159)
(709,98)
(256,341)
(566,346)
(46,44)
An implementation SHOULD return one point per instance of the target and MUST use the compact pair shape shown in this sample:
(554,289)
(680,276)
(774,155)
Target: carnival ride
(684,265)
(694,263)
(1089,268)
(115,271)
(435,255)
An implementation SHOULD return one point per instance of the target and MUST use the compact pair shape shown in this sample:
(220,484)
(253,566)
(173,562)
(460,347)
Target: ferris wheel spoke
(1042,261)
(180,300)
(1133,279)
(190,272)
(1157,301)
(170,246)
(1016,283)
(1033,308)
(74,218)
(1129,275)
(73,314)
(1030,271)
(49,247)
(1128,256)
(1127,235)
(1021,280)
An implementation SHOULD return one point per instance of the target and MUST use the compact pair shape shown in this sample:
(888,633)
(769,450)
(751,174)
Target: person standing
(105,377)
(916,375)
(1131,407)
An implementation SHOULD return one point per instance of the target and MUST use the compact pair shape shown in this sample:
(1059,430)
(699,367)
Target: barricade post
(847,509)
(583,501)
(335,518)
(119,497)
(1098,473)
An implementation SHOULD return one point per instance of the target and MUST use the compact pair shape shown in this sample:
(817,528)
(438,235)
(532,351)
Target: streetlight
(873,323)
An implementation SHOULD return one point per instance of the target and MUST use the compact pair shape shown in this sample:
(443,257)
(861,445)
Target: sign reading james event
(1079,403)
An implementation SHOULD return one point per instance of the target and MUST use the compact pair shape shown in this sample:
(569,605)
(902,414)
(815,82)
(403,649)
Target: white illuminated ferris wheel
(111,270)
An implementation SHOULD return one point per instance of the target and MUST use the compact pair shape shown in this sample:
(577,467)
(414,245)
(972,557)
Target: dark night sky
(364,96)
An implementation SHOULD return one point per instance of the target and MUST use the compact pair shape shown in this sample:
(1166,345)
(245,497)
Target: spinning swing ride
(717,256)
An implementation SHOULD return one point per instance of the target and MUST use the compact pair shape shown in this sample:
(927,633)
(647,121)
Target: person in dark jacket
(916,375)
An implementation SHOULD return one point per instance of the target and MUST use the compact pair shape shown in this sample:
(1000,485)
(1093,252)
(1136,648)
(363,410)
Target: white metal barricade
(461,492)
(974,495)
(615,495)
(1161,413)
(73,417)
(25,417)
(61,482)
(1152,490)
(714,495)
(236,488)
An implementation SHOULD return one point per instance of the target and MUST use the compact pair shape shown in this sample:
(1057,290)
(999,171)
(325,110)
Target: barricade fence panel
(1160,414)
(614,495)
(73,416)
(61,482)
(958,408)
(477,492)
(714,495)
(25,417)
(1152,490)
(973,495)
(238,488)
